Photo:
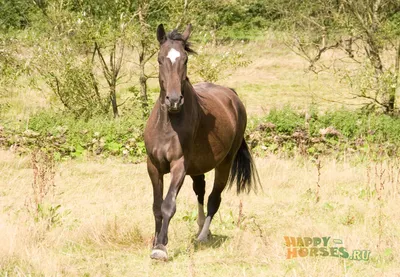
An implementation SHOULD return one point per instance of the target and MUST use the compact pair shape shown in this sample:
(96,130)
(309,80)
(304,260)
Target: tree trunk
(143,82)
(395,84)
(113,99)
(143,91)
(382,90)
(391,100)
(142,59)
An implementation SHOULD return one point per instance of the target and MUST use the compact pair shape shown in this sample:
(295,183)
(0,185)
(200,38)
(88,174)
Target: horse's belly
(196,168)
(202,164)
(209,151)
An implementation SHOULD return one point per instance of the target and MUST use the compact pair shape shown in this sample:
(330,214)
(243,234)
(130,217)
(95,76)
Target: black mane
(175,35)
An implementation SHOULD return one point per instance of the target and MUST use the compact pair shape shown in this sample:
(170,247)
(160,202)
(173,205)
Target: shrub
(69,137)
(288,131)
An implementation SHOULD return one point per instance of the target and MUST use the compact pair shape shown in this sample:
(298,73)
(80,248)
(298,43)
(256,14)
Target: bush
(15,14)
(286,120)
(333,132)
(69,137)
(284,131)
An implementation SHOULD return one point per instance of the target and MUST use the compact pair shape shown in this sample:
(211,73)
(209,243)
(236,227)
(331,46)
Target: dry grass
(106,224)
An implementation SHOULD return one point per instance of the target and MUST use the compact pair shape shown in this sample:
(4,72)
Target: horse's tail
(244,171)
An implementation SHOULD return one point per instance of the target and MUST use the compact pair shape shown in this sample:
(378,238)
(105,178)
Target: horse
(190,131)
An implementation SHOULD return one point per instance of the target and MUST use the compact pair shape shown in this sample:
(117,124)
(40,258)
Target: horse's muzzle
(174,104)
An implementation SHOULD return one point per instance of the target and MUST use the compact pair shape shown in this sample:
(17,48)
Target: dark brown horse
(192,130)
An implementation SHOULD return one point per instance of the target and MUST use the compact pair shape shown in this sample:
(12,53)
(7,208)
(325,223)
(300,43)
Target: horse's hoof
(159,252)
(201,238)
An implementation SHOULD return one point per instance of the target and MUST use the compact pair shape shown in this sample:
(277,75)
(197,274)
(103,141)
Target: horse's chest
(167,150)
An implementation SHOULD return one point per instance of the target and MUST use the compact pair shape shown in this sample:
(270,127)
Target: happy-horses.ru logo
(321,247)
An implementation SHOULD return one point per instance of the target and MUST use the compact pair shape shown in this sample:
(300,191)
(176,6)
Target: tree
(146,48)
(81,49)
(90,35)
(366,31)
(115,27)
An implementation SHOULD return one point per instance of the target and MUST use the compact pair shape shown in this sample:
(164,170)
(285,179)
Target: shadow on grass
(214,241)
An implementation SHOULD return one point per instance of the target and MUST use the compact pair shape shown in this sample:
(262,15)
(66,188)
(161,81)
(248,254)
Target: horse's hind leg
(199,187)
(214,200)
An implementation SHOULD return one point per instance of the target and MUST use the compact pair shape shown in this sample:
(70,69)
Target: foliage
(210,67)
(229,20)
(15,14)
(281,131)
(68,137)
(72,82)
(77,48)
(334,132)
(80,48)
(11,66)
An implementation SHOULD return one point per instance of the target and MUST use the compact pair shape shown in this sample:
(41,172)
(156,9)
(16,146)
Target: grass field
(105,223)
(97,220)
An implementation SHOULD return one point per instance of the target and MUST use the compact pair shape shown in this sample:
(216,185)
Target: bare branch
(312,21)
(374,99)
(120,58)
(124,102)
(150,55)
(105,69)
(56,90)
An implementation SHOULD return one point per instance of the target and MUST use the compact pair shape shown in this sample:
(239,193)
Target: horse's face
(172,60)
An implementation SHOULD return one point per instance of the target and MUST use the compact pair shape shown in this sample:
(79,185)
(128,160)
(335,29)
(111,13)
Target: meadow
(96,217)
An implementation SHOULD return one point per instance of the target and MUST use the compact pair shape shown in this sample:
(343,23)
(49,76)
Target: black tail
(244,171)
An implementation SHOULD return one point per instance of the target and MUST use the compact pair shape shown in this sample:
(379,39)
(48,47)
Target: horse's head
(172,59)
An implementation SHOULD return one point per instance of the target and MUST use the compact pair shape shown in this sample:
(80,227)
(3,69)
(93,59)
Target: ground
(104,225)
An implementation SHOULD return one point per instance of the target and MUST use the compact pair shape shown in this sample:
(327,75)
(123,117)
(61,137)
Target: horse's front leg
(157,181)
(168,209)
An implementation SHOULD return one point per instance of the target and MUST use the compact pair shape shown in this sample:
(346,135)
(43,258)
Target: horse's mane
(175,35)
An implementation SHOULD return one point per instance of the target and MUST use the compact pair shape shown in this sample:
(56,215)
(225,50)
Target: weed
(240,216)
(38,206)
(43,175)
(318,166)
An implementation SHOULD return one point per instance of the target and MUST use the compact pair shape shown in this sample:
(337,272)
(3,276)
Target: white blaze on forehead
(173,55)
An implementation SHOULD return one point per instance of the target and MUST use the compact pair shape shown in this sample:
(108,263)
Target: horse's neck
(192,110)
(189,114)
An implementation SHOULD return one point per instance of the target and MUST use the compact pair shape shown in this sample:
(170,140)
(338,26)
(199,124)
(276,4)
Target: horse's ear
(161,34)
(186,33)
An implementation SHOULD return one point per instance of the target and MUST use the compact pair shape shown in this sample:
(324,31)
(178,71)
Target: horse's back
(220,97)
(205,88)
